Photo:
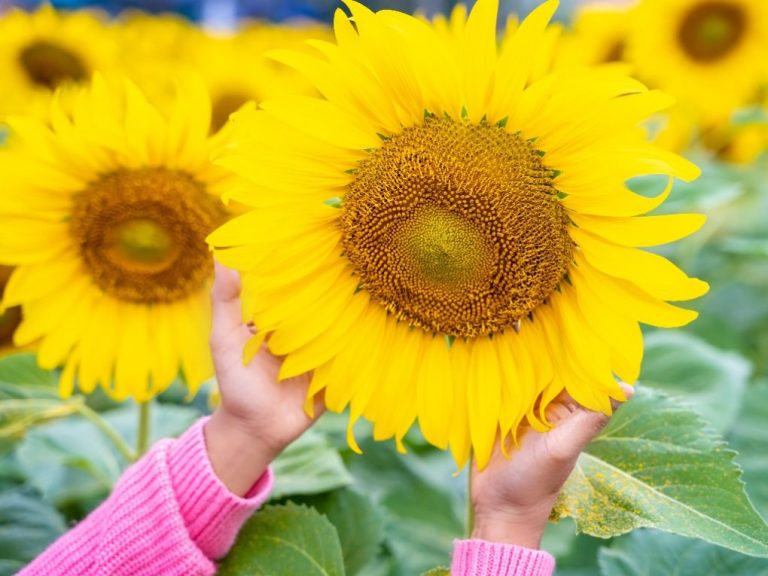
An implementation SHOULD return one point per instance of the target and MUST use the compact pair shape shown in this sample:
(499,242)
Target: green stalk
(470,508)
(142,439)
(95,418)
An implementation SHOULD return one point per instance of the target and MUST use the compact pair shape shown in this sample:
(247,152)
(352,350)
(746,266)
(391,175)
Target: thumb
(581,427)
(225,300)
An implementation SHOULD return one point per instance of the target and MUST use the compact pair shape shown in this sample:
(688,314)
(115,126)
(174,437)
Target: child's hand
(512,498)
(258,416)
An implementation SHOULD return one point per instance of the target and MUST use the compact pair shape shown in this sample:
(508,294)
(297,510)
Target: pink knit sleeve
(168,514)
(481,558)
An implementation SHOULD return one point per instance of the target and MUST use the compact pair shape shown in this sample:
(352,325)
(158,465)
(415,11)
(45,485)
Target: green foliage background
(669,462)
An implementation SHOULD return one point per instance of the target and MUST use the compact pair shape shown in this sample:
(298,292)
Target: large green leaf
(359,523)
(750,438)
(711,380)
(656,465)
(647,552)
(423,502)
(309,466)
(285,541)
(27,526)
(72,463)
(576,554)
(383,565)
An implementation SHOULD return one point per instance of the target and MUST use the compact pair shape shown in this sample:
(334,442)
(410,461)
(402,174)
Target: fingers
(225,300)
(226,284)
(579,428)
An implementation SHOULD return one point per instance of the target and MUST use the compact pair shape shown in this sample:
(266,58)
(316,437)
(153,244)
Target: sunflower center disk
(456,228)
(142,233)
(49,64)
(711,30)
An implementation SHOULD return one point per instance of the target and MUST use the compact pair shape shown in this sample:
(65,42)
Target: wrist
(238,454)
(520,527)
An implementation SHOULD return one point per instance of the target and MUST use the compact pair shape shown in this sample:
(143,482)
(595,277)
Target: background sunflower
(112,271)
(41,50)
(711,54)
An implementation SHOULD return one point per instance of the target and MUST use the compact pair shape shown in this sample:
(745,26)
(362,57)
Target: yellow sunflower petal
(435,392)
(641,232)
(660,277)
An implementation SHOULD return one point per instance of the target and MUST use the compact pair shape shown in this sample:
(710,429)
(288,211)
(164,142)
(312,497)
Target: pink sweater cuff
(213,515)
(481,558)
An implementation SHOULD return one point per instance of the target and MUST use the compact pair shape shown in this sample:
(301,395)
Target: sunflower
(105,211)
(599,36)
(710,54)
(151,46)
(236,70)
(441,240)
(9,319)
(41,50)
(738,142)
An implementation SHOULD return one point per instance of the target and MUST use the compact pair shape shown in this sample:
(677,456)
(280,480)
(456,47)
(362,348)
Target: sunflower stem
(95,418)
(142,438)
(470,508)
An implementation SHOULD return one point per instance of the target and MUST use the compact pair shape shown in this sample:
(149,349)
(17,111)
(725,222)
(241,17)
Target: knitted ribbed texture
(168,515)
(212,513)
(481,558)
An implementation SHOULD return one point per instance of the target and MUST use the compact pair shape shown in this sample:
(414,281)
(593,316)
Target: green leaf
(287,539)
(17,416)
(20,377)
(423,502)
(656,465)
(750,438)
(712,381)
(382,565)
(651,552)
(166,420)
(28,396)
(359,523)
(439,571)
(576,554)
(27,526)
(73,464)
(309,466)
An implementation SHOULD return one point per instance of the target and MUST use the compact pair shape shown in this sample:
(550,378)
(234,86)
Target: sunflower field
(451,218)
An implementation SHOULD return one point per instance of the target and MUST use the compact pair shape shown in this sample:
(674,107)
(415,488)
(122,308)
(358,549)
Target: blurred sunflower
(9,319)
(153,45)
(105,211)
(41,50)
(680,129)
(712,55)
(440,239)
(599,36)
(237,71)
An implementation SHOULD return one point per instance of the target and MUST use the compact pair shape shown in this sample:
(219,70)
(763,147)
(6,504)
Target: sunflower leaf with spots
(656,465)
